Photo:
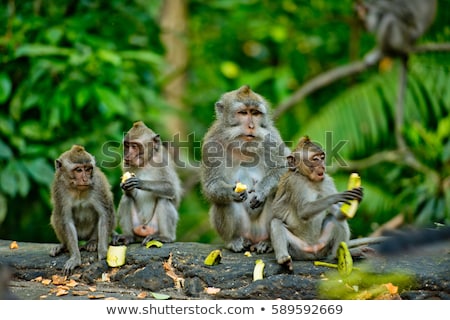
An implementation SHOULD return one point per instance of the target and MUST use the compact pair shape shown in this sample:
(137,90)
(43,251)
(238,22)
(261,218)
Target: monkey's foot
(60,248)
(262,247)
(91,246)
(119,239)
(286,262)
(71,264)
(239,244)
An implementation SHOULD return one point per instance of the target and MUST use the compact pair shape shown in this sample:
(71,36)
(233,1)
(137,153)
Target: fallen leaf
(111,298)
(80,292)
(14,245)
(96,296)
(37,279)
(160,296)
(105,277)
(391,288)
(142,295)
(72,283)
(61,292)
(57,280)
(212,290)
(167,265)
(92,289)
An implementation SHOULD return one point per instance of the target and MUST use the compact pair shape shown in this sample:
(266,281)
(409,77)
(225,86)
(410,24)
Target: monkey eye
(79,169)
(255,112)
(243,112)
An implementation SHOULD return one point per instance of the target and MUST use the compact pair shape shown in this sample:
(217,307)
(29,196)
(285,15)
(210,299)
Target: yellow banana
(115,257)
(213,258)
(154,243)
(345,260)
(349,210)
(127,175)
(240,187)
(258,271)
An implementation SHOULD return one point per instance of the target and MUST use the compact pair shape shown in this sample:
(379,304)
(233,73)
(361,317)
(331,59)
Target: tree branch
(335,74)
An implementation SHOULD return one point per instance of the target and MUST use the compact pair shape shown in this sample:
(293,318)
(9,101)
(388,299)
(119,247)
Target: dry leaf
(56,279)
(179,281)
(14,245)
(212,290)
(391,288)
(61,292)
(105,277)
(46,282)
(111,298)
(142,295)
(72,283)
(37,279)
(80,293)
(63,288)
(44,296)
(92,289)
(96,296)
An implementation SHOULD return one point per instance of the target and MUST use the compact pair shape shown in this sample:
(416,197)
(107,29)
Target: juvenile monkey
(148,208)
(83,207)
(396,24)
(307,223)
(242,146)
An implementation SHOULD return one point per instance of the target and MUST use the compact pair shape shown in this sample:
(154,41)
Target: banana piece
(349,210)
(345,260)
(154,243)
(127,175)
(213,258)
(115,257)
(258,271)
(240,187)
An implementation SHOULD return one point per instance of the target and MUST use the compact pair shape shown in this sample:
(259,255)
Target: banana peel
(154,243)
(345,260)
(213,258)
(258,271)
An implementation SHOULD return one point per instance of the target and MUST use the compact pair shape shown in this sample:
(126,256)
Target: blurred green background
(82,71)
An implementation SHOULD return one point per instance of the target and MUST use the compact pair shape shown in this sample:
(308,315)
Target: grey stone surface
(427,274)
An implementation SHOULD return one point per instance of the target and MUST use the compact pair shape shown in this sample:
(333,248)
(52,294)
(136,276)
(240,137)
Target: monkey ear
(291,162)
(58,164)
(219,107)
(156,142)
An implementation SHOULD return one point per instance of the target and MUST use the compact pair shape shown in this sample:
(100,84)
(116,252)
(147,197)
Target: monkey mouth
(248,137)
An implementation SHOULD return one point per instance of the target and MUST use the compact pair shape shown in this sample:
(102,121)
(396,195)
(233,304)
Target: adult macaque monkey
(242,146)
(307,223)
(148,208)
(83,207)
(397,24)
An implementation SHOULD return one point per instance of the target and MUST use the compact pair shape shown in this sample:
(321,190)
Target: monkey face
(133,154)
(316,165)
(82,176)
(249,119)
(309,163)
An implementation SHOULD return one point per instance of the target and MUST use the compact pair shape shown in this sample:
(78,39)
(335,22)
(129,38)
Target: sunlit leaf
(40,170)
(5,87)
(33,50)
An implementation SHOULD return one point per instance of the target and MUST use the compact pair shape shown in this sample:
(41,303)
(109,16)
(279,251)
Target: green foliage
(83,71)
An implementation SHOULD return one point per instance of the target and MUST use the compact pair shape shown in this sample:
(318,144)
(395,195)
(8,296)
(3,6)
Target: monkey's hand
(239,196)
(257,200)
(131,183)
(353,194)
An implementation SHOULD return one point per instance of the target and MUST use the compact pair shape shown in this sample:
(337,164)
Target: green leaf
(3,207)
(144,56)
(40,170)
(5,87)
(36,50)
(5,151)
(111,101)
(160,296)
(13,180)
